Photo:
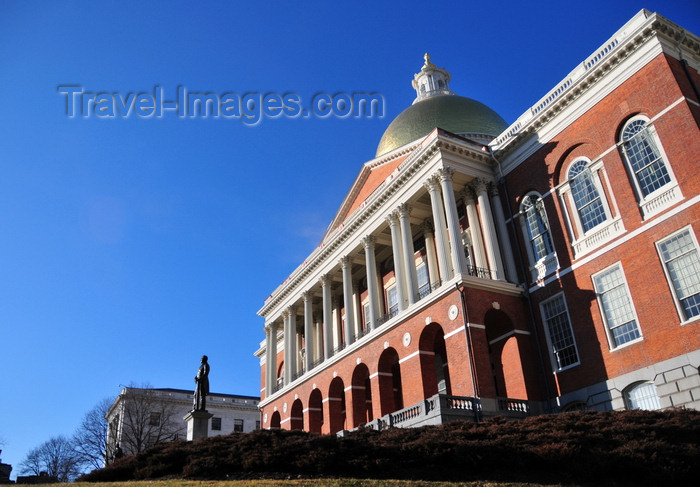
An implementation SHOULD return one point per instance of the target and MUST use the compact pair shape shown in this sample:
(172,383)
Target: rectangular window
(216,424)
(423,281)
(616,305)
(365,310)
(154,419)
(257,424)
(559,332)
(679,253)
(238,425)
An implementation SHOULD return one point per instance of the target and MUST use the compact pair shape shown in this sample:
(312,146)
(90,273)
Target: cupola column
(345,265)
(503,232)
(327,316)
(308,331)
(408,254)
(433,274)
(371,265)
(396,248)
(440,235)
(477,239)
(448,196)
(493,253)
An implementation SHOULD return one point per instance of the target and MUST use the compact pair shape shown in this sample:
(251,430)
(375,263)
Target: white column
(440,236)
(371,265)
(271,358)
(433,274)
(345,265)
(475,231)
(398,260)
(327,317)
(503,231)
(294,352)
(448,196)
(287,347)
(493,253)
(409,259)
(308,331)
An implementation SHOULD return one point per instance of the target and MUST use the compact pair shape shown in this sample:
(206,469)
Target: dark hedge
(615,448)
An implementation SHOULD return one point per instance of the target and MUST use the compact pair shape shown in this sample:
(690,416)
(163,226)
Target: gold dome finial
(427,64)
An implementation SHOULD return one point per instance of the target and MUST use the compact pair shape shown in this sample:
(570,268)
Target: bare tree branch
(90,438)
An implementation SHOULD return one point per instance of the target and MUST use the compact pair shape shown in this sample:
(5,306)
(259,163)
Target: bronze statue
(201,391)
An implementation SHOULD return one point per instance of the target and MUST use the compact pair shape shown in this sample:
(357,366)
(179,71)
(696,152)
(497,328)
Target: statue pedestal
(197,424)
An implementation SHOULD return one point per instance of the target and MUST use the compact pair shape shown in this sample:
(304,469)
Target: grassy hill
(614,448)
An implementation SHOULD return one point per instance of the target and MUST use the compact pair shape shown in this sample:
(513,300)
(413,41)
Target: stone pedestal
(197,424)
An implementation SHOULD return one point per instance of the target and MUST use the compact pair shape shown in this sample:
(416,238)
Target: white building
(141,418)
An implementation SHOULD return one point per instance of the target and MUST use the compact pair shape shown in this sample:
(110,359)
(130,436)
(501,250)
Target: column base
(197,424)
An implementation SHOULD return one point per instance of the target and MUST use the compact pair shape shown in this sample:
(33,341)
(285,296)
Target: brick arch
(315,411)
(390,388)
(506,355)
(336,405)
(361,396)
(275,420)
(435,372)
(296,416)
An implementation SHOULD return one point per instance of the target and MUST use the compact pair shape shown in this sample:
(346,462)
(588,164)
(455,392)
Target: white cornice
(630,49)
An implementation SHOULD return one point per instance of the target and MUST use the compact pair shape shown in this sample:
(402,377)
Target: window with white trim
(616,306)
(216,424)
(679,254)
(392,300)
(642,395)
(423,281)
(535,227)
(365,312)
(643,157)
(238,425)
(586,195)
(560,335)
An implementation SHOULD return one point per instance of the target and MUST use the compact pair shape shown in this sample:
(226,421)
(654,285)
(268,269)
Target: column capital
(427,226)
(404,210)
(344,261)
(292,310)
(445,173)
(325,279)
(392,219)
(306,295)
(480,185)
(432,184)
(494,189)
(368,242)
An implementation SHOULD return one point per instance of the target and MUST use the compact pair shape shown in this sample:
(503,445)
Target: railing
(317,362)
(387,316)
(361,333)
(441,408)
(480,272)
(337,349)
(513,405)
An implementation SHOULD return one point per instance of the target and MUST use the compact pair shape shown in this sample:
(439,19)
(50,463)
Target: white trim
(453,332)
(553,361)
(508,335)
(409,357)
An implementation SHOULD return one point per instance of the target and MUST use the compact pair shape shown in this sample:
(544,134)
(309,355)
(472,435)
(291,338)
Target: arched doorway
(433,360)
(361,396)
(275,421)
(336,405)
(506,356)
(296,416)
(315,411)
(390,389)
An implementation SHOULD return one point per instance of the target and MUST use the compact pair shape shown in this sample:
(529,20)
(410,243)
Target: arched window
(643,157)
(653,179)
(584,190)
(642,395)
(537,227)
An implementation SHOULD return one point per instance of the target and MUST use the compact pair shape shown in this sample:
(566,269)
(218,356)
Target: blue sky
(130,246)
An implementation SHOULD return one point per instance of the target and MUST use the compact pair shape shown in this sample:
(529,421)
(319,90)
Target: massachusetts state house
(477,268)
